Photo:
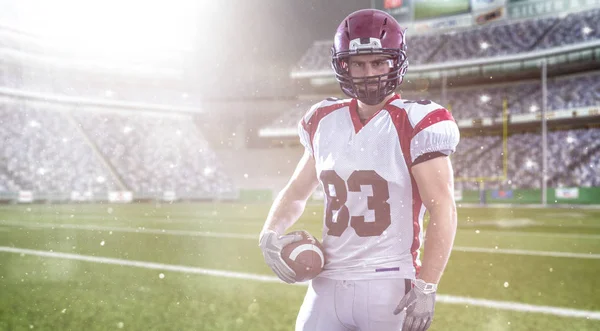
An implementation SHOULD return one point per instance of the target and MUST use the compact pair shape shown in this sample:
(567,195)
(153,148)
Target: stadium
(144,143)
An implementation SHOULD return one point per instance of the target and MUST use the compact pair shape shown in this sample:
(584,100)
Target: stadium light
(529,164)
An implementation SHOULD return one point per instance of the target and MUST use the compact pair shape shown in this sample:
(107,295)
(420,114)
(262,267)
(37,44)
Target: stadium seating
(574,28)
(43,151)
(494,40)
(153,153)
(573,160)
(525,97)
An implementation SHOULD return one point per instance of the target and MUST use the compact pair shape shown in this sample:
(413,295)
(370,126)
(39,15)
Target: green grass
(59,294)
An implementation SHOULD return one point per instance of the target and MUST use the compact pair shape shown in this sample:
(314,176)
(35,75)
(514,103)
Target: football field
(198,267)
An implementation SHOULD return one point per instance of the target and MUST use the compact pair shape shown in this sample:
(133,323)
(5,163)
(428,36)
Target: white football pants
(352,305)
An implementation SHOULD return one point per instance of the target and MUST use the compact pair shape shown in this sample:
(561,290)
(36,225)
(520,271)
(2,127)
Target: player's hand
(271,244)
(419,305)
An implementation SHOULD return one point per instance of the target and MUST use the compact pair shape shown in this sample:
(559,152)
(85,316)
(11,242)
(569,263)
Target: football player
(382,161)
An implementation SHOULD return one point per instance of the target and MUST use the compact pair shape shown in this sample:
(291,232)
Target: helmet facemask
(370,90)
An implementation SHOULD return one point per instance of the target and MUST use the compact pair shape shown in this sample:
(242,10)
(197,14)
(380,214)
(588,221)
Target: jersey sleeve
(305,127)
(304,136)
(435,132)
(310,121)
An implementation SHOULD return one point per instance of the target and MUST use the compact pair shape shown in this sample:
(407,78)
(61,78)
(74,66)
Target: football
(306,257)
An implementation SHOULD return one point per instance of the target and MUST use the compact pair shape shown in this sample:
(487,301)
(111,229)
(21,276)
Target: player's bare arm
(285,211)
(436,185)
(290,202)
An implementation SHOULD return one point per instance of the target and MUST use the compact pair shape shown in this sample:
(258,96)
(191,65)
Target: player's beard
(369,90)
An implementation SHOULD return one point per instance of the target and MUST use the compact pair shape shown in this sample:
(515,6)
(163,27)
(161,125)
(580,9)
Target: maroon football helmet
(369,31)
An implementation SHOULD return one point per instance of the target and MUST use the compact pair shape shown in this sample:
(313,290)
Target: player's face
(369,65)
(363,66)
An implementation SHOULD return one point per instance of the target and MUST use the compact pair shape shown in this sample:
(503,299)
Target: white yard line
(497,225)
(255,237)
(558,208)
(449,299)
(158,219)
(531,234)
(526,252)
(88,227)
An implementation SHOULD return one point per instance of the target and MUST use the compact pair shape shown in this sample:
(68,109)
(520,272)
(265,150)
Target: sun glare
(112,29)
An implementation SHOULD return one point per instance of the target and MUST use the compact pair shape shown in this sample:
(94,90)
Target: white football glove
(271,244)
(419,305)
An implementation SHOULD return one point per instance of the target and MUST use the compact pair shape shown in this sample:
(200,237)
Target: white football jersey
(373,220)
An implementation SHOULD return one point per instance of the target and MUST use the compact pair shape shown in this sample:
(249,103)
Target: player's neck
(367,111)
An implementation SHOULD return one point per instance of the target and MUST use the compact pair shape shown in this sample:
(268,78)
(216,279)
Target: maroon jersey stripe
(358,124)
(430,119)
(353,109)
(405,133)
(317,116)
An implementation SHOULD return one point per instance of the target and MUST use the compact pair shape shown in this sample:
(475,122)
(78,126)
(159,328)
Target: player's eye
(379,63)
